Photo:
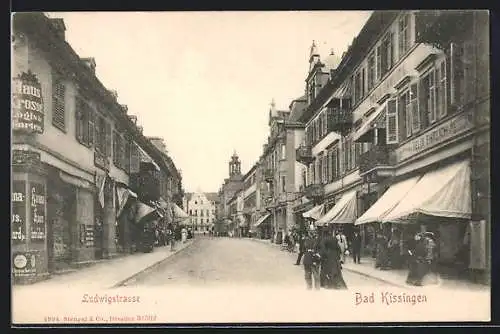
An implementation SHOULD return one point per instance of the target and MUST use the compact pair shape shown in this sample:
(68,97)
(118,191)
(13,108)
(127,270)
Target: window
(320,168)
(415,109)
(135,161)
(347,155)
(190,212)
(84,123)
(58,103)
(441,92)
(429,96)
(304,177)
(404,35)
(363,83)
(283,184)
(387,54)
(378,65)
(195,202)
(100,134)
(335,163)
(357,87)
(371,71)
(392,122)
(283,152)
(118,150)
(201,213)
(126,155)
(404,114)
(462,72)
(196,212)
(107,138)
(325,122)
(357,153)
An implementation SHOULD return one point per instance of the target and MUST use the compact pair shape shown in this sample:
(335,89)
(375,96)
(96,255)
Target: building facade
(201,208)
(399,134)
(76,156)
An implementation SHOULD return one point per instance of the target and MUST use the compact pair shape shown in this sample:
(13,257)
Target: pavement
(397,277)
(106,274)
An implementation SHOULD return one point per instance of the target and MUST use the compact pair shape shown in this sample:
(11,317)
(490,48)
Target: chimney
(59,26)
(124,108)
(114,93)
(90,62)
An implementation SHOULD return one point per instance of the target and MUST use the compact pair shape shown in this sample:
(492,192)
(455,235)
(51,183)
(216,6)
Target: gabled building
(201,208)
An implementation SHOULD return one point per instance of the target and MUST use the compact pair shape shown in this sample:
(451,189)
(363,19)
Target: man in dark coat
(356,246)
(331,268)
(311,261)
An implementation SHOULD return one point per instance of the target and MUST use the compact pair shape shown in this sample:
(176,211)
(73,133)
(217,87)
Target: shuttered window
(84,123)
(325,122)
(335,164)
(58,103)
(108,140)
(378,63)
(404,35)
(392,122)
(325,168)
(441,92)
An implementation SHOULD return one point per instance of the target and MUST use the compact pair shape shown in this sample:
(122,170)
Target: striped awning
(315,213)
(143,210)
(369,123)
(122,196)
(261,220)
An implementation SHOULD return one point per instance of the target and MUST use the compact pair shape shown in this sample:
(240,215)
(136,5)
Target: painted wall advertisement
(37,230)
(24,264)
(27,104)
(18,212)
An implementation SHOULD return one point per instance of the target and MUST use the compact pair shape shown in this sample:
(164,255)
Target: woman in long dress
(330,263)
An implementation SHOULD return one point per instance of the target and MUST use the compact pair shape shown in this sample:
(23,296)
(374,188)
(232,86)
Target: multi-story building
(399,133)
(229,188)
(75,150)
(201,208)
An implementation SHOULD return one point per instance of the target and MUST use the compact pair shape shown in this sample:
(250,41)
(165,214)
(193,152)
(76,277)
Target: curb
(154,265)
(375,277)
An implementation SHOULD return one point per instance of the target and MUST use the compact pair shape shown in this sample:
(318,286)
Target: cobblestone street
(234,262)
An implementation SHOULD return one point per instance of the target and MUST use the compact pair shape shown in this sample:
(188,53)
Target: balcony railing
(339,119)
(377,156)
(146,185)
(304,155)
(314,191)
(440,27)
(268,175)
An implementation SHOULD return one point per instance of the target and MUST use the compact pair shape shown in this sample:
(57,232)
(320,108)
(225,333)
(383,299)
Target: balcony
(377,156)
(339,120)
(268,175)
(304,155)
(314,191)
(440,27)
(146,184)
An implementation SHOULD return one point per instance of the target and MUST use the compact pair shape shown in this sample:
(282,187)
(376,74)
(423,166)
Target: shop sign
(18,198)
(37,230)
(27,104)
(25,157)
(24,264)
(449,129)
(101,160)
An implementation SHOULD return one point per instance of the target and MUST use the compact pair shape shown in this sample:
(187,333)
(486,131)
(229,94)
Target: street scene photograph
(250,167)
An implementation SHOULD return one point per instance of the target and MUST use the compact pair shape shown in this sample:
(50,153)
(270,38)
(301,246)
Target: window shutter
(97,133)
(442,89)
(455,69)
(79,115)
(420,110)
(379,63)
(127,157)
(469,71)
(58,103)
(392,122)
(108,140)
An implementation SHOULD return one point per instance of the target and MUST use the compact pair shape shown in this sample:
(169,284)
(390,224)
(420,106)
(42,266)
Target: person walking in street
(301,249)
(356,247)
(312,261)
(331,268)
(342,242)
(184,235)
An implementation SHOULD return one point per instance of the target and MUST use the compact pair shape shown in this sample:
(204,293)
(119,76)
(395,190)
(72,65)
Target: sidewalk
(106,274)
(397,277)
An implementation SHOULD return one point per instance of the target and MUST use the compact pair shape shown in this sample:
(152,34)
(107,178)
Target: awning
(343,92)
(261,220)
(315,213)
(444,192)
(76,181)
(143,210)
(179,214)
(343,212)
(122,196)
(387,201)
(369,124)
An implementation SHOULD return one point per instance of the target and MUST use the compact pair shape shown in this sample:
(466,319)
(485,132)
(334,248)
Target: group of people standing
(323,253)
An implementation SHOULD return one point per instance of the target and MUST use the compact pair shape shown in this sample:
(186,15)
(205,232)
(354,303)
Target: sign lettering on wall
(27,104)
(25,157)
(18,222)
(87,235)
(452,127)
(37,230)
(24,264)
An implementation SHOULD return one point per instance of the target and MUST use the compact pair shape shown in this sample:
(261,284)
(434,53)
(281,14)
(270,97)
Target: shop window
(58,103)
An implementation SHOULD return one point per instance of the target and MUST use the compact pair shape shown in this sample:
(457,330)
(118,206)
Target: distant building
(201,208)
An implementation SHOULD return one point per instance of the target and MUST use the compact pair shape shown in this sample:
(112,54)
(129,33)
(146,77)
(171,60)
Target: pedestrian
(301,249)
(312,261)
(382,260)
(342,241)
(183,235)
(356,247)
(331,268)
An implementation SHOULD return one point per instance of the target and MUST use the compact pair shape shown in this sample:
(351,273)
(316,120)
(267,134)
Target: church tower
(234,166)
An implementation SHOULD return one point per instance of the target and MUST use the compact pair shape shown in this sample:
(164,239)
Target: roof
(297,108)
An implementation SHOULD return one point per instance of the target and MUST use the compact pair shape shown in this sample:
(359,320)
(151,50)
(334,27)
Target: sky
(204,81)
